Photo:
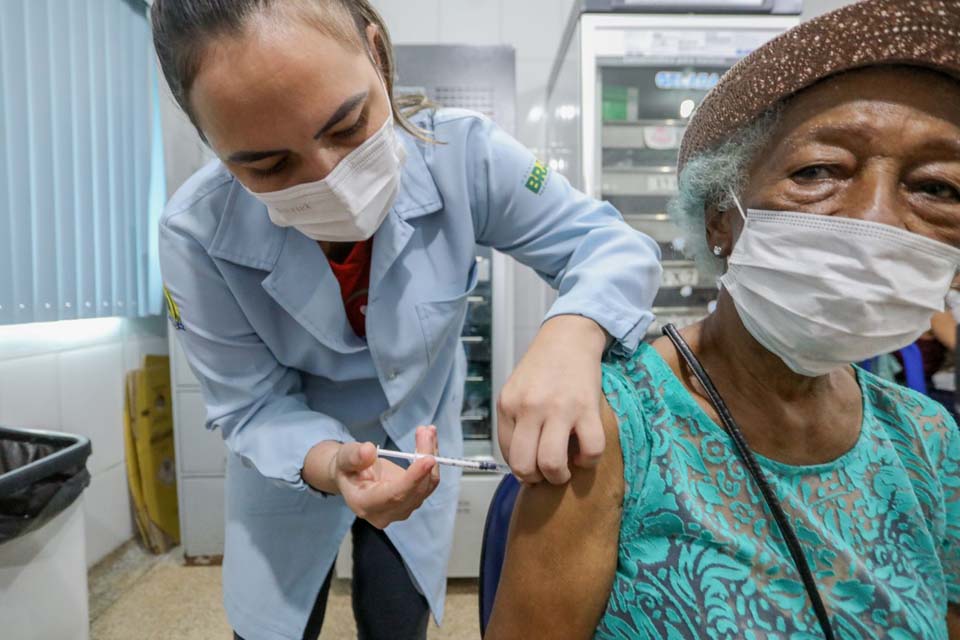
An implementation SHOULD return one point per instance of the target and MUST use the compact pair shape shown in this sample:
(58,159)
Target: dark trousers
(386,605)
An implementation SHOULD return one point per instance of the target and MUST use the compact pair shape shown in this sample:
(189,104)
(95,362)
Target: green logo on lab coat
(537,179)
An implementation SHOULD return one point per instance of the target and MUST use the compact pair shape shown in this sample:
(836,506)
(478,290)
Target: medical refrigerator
(627,78)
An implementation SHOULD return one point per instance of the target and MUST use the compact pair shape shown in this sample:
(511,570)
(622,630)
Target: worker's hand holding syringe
(376,489)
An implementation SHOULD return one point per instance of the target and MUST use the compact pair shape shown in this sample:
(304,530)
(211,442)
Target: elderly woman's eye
(940,191)
(812,173)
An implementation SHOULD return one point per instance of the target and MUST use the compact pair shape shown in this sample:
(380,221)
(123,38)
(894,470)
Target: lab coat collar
(418,197)
(418,194)
(304,285)
(246,235)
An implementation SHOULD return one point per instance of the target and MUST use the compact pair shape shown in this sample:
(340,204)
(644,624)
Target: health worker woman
(320,269)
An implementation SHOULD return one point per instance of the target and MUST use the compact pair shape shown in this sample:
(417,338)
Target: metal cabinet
(201,465)
(202,454)
(202,531)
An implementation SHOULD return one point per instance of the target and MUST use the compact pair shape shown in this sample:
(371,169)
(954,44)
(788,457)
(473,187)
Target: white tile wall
(29,395)
(183,149)
(411,21)
(80,389)
(533,27)
(470,22)
(91,401)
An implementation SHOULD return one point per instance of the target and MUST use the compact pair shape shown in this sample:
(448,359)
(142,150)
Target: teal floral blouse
(700,558)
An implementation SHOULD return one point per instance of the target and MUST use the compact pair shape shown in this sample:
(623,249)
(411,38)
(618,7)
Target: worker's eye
(357,127)
(271,170)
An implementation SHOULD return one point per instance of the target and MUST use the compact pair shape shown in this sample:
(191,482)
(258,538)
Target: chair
(494,545)
(912,367)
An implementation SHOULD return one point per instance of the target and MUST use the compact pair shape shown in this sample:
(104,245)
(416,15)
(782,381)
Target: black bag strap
(750,462)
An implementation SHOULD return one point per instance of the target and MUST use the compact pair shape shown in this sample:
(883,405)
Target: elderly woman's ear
(723,227)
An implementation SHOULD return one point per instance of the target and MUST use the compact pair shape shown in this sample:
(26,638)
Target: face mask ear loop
(736,201)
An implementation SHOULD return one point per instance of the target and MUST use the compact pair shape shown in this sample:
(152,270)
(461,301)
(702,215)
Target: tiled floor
(134,595)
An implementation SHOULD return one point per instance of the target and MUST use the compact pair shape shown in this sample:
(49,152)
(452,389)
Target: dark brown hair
(182,29)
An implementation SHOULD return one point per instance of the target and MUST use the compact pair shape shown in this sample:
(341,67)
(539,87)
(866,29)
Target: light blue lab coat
(264,329)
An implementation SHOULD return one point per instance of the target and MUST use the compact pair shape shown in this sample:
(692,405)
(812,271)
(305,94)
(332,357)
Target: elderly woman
(794,496)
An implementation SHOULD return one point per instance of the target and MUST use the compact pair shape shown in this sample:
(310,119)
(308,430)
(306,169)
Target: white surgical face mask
(823,292)
(350,204)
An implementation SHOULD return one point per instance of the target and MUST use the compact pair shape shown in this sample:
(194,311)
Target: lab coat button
(393,375)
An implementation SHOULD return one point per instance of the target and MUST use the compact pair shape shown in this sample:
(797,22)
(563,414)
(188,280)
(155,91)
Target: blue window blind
(81,182)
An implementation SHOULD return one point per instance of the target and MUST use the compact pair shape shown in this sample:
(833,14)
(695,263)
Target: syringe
(464,463)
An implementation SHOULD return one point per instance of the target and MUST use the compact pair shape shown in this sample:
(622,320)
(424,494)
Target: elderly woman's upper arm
(562,552)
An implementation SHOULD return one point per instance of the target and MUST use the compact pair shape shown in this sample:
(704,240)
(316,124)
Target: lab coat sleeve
(602,268)
(257,403)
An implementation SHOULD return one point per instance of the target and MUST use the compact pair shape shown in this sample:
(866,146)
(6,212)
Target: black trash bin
(41,474)
(43,563)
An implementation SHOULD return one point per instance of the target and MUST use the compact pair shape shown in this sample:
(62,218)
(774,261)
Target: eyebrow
(832,133)
(244,157)
(838,133)
(345,109)
(948,146)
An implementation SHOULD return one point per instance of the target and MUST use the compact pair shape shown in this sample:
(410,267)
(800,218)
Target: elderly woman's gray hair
(707,181)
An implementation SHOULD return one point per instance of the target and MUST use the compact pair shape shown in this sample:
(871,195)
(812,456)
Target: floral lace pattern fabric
(700,556)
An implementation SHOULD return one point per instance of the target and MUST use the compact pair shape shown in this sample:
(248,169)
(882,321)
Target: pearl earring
(718,251)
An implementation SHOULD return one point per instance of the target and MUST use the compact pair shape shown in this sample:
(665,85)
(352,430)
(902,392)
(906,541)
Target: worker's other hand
(380,491)
(552,396)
